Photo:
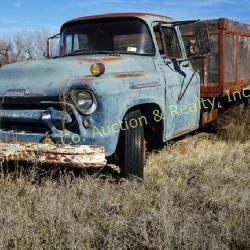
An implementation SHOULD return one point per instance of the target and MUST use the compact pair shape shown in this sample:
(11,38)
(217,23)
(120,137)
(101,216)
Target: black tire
(132,148)
(246,102)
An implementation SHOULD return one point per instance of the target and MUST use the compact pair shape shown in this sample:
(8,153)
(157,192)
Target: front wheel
(132,146)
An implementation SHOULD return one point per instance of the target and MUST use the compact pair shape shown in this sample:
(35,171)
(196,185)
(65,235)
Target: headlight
(85,101)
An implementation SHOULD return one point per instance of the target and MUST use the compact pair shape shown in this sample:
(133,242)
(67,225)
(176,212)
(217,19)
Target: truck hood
(49,77)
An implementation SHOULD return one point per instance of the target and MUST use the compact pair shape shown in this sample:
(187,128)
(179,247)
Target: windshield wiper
(104,52)
(90,52)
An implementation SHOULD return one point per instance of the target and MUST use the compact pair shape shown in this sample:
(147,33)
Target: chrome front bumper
(52,154)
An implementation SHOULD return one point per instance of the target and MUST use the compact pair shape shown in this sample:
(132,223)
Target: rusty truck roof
(148,17)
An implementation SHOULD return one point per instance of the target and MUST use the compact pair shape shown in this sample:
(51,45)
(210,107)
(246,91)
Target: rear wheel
(132,146)
(246,102)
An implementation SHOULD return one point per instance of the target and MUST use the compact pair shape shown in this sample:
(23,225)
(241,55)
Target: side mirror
(53,46)
(192,48)
(4,56)
(202,42)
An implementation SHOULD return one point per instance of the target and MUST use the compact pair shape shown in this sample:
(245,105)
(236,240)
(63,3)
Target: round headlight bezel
(90,109)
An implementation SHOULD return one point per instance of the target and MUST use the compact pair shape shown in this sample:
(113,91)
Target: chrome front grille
(20,106)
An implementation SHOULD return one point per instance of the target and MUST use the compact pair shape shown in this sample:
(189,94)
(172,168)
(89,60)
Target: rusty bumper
(56,155)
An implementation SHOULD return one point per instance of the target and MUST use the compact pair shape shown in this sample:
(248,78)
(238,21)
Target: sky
(19,15)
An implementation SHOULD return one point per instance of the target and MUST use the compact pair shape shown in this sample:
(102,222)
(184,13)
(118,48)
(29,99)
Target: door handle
(185,65)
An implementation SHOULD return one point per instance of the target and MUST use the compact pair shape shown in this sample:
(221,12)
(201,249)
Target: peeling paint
(56,155)
(109,59)
(87,80)
(132,75)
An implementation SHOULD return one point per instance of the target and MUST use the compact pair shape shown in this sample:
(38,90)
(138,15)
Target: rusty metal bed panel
(213,61)
(244,45)
(230,58)
(227,68)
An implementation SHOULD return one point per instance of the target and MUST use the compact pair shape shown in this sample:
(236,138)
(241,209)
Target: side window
(80,42)
(170,38)
(159,39)
(69,43)
(76,42)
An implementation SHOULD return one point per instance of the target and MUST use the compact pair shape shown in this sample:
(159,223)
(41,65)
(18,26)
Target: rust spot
(86,80)
(223,23)
(101,60)
(58,155)
(95,147)
(114,15)
(128,75)
(88,60)
(110,59)
(66,160)
(51,157)
(208,117)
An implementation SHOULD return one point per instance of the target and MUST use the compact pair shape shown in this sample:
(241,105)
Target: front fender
(139,102)
(115,97)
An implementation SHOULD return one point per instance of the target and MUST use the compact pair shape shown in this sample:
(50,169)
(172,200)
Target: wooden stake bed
(227,68)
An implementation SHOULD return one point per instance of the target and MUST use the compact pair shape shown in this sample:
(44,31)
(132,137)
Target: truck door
(182,84)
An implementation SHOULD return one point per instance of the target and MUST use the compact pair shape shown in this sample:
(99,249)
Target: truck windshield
(117,36)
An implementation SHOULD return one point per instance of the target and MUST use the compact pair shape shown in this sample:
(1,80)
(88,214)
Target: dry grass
(195,195)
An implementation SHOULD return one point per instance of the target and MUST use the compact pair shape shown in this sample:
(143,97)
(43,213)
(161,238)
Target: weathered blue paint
(128,81)
(36,116)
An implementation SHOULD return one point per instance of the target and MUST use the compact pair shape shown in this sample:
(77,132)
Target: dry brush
(196,195)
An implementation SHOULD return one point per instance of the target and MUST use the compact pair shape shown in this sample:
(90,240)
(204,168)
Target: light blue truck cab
(118,83)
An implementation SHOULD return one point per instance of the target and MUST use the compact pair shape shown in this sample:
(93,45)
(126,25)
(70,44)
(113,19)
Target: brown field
(196,195)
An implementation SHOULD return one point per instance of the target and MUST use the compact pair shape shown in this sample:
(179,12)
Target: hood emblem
(15,93)
(20,93)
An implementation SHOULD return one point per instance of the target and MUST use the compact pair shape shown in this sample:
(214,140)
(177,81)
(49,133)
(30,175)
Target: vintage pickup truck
(115,84)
